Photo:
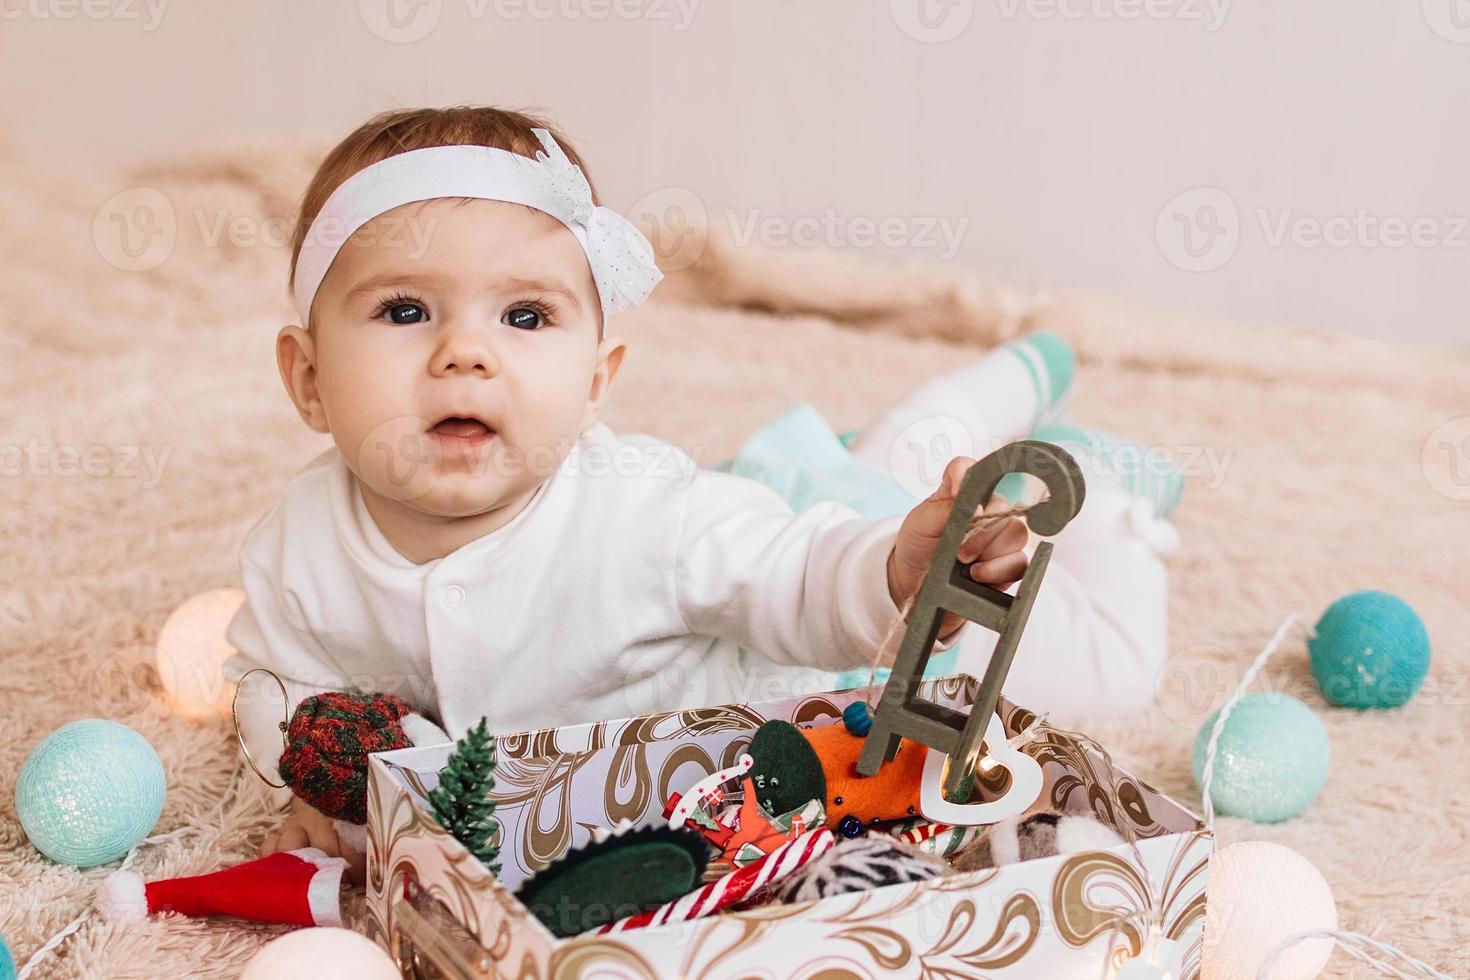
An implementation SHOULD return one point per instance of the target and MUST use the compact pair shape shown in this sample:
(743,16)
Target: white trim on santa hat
(324,891)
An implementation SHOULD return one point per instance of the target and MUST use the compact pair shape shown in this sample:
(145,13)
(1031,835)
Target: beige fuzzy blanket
(1319,485)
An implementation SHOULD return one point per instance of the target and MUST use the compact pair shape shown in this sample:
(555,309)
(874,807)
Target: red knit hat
(328,741)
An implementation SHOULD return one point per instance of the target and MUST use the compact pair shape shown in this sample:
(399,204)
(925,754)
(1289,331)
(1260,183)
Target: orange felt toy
(793,765)
(892,794)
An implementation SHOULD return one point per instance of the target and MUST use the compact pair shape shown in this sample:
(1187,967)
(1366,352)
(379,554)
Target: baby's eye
(401,308)
(405,313)
(524,318)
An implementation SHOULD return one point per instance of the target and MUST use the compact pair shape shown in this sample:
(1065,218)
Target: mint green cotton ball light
(1271,760)
(89,792)
(1371,651)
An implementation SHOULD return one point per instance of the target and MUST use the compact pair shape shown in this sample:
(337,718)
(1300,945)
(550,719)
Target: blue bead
(850,826)
(857,718)
(1271,760)
(1371,651)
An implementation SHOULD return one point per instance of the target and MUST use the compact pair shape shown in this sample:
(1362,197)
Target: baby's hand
(307,826)
(996,552)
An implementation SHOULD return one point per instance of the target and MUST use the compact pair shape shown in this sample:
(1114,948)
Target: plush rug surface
(1311,478)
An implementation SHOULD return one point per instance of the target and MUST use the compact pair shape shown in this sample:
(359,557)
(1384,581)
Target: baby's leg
(969,412)
(1097,636)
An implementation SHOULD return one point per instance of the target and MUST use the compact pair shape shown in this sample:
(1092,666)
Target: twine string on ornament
(978,523)
(1342,939)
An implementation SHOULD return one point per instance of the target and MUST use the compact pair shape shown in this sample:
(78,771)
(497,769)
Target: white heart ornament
(1025,788)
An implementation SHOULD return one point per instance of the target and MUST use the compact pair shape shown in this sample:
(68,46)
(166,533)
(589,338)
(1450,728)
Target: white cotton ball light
(191,649)
(1261,894)
(324,953)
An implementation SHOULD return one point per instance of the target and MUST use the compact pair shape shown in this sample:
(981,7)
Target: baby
(476,540)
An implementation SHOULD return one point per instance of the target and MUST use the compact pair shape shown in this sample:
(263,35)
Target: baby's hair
(401,130)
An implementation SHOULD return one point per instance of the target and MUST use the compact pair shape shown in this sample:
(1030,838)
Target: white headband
(620,257)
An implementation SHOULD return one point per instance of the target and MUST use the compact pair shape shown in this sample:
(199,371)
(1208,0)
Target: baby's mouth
(460,427)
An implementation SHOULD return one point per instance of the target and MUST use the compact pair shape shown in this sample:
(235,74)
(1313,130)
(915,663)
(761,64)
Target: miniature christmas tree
(462,802)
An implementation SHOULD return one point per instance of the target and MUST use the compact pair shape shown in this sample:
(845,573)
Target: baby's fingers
(954,475)
(1010,537)
(292,836)
(999,538)
(1001,571)
(322,836)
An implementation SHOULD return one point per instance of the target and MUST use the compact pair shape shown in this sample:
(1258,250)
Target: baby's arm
(808,589)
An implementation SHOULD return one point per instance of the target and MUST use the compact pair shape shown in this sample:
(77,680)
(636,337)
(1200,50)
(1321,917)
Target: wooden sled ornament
(948,588)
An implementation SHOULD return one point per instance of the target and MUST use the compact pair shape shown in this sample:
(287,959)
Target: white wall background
(1321,147)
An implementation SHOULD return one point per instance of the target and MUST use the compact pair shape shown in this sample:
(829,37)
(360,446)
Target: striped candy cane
(735,887)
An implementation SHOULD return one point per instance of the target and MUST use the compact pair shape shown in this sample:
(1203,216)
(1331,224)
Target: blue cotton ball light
(1271,760)
(1371,651)
(89,792)
(7,963)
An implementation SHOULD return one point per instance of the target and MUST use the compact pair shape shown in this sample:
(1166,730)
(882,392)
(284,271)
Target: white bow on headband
(620,257)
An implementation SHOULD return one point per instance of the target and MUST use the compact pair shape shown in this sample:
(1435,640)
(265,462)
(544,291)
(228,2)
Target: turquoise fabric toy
(801,458)
(1370,651)
(1271,760)
(89,792)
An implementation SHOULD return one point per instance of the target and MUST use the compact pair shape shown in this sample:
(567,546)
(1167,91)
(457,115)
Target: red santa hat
(301,887)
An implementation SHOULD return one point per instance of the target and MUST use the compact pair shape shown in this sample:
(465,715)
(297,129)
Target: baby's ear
(296,359)
(609,359)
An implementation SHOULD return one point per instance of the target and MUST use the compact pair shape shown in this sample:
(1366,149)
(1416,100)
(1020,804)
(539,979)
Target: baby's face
(456,353)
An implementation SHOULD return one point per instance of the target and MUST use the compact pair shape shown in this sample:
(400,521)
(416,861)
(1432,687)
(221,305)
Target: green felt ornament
(787,771)
(606,880)
(462,802)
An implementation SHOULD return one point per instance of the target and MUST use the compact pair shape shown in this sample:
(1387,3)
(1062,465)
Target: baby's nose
(479,365)
(464,354)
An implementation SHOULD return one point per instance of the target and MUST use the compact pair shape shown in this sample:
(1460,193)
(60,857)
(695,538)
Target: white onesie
(632,582)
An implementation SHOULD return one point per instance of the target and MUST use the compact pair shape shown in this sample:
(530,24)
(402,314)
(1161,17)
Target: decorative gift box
(440,912)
